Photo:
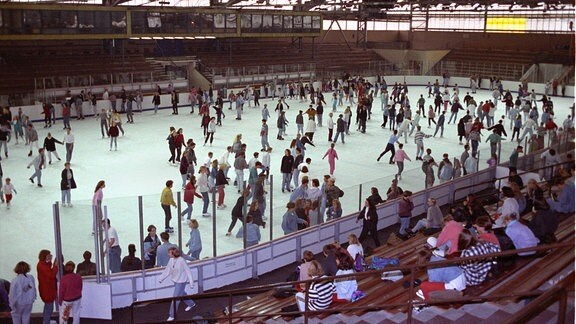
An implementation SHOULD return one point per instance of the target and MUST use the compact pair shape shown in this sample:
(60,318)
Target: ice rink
(140,167)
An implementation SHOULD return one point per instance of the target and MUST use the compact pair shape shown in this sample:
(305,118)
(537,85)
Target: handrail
(411,268)
(506,177)
(538,305)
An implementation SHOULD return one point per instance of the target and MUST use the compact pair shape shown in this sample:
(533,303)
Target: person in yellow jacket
(167,200)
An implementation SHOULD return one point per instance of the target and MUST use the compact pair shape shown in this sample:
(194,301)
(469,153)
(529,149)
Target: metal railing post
(271,219)
(214,224)
(178,217)
(141,225)
(360,197)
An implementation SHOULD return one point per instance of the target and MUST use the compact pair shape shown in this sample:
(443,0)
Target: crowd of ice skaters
(522,117)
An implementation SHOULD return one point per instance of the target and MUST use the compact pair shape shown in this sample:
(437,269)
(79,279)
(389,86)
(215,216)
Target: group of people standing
(67,292)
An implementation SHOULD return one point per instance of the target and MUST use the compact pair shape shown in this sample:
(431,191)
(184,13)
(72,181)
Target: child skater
(332,157)
(8,189)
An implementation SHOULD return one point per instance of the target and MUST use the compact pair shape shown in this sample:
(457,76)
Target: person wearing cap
(513,163)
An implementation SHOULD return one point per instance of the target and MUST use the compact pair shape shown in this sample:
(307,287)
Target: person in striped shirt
(319,292)
(419,141)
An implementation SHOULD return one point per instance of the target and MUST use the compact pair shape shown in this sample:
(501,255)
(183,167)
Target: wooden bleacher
(328,57)
(73,63)
(379,292)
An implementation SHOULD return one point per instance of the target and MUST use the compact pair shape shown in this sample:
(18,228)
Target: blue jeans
(178,292)
(338,134)
(187,211)
(115,262)
(295,177)
(240,179)
(264,140)
(66,197)
(206,202)
(21,314)
(441,128)
(445,274)
(38,175)
(66,120)
(47,312)
(286,181)
(404,224)
(69,149)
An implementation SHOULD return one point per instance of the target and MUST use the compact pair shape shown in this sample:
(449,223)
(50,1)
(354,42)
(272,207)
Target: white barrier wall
(35,111)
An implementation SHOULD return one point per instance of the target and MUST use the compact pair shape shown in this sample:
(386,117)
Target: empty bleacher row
(504,64)
(326,57)
(48,66)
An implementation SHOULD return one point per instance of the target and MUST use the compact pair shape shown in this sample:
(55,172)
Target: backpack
(446,172)
(359,262)
(379,263)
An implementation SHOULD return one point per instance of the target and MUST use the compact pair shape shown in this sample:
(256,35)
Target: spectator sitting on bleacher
(473,209)
(533,193)
(509,206)
(328,261)
(565,201)
(319,292)
(345,287)
(544,222)
(470,273)
(520,234)
(433,220)
(519,196)
(484,232)
(307,257)
(448,238)
(354,246)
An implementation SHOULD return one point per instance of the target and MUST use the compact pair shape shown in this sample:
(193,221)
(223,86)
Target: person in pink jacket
(399,159)
(332,157)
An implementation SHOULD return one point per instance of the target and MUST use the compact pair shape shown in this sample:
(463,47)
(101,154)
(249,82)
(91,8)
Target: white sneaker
(220,207)
(70,205)
(206,215)
(188,308)
(420,294)
(170,319)
(439,253)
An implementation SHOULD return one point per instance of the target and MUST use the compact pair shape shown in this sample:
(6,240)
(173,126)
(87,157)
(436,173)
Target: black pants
(233,223)
(167,215)
(369,228)
(209,136)
(389,148)
(172,153)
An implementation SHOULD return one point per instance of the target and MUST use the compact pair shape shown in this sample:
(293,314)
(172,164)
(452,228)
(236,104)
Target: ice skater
(8,191)
(332,157)
(50,146)
(113,132)
(390,147)
(39,163)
